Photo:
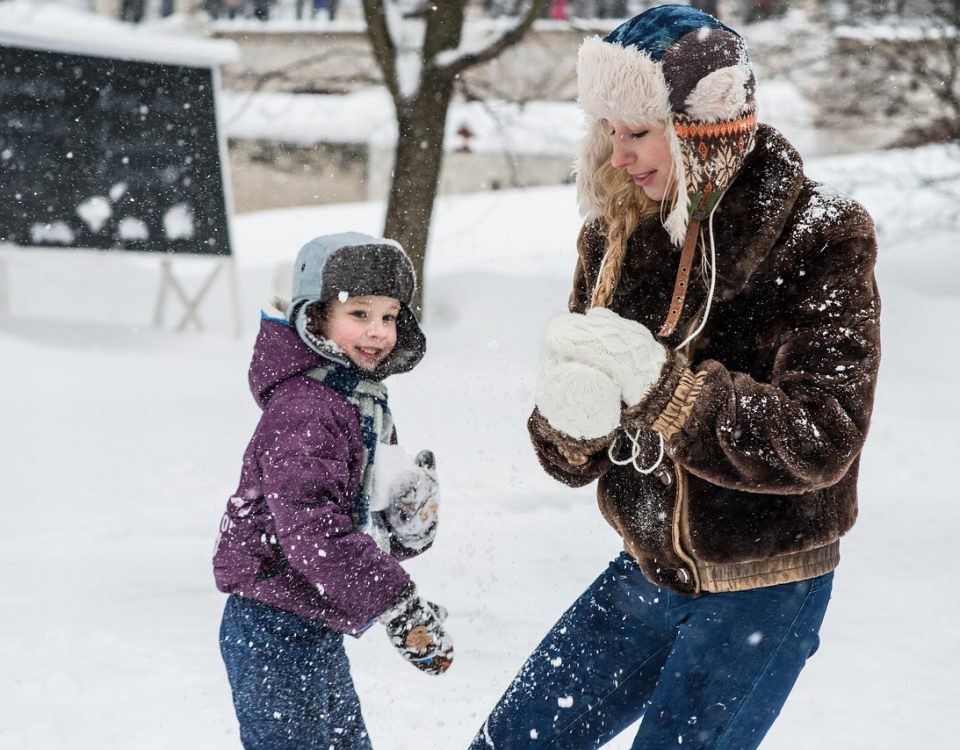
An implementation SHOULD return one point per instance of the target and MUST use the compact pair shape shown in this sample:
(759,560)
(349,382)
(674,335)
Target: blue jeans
(290,680)
(704,672)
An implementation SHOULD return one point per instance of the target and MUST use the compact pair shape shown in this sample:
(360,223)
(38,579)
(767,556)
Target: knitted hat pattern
(681,67)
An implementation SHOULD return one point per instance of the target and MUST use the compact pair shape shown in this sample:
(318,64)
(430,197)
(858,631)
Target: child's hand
(414,504)
(415,628)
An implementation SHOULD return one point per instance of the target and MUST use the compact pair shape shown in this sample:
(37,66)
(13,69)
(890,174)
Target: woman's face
(644,152)
(364,327)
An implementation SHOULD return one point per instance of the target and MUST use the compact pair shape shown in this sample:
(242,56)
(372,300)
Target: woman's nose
(621,156)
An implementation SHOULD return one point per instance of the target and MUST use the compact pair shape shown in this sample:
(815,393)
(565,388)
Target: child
(715,376)
(326,504)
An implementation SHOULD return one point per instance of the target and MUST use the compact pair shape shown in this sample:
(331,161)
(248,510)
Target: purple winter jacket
(287,537)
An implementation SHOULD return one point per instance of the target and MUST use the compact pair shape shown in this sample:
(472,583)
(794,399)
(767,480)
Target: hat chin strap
(701,205)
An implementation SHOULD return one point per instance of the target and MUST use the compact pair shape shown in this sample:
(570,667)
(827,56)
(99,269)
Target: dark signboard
(102,153)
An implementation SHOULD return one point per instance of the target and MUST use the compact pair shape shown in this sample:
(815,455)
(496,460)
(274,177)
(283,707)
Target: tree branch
(444,27)
(383,49)
(508,39)
(283,73)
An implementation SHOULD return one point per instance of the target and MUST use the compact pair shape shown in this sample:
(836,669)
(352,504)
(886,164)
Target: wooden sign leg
(169,283)
(4,288)
(191,304)
(165,275)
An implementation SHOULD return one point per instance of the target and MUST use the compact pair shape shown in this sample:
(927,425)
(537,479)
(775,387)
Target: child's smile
(368,357)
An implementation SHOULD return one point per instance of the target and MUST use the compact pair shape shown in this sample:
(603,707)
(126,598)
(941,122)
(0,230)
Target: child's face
(644,152)
(364,327)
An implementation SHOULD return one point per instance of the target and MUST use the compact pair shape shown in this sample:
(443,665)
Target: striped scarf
(376,426)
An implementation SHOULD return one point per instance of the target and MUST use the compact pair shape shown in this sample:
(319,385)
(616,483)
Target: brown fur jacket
(764,414)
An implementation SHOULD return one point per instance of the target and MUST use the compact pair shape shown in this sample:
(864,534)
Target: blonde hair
(623,206)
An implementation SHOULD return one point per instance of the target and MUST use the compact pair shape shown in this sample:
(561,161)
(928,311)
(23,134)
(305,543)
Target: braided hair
(623,207)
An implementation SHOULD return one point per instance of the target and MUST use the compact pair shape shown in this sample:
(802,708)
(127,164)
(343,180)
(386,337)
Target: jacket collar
(753,213)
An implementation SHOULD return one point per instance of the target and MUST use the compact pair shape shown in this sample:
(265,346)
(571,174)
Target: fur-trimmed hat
(351,264)
(679,66)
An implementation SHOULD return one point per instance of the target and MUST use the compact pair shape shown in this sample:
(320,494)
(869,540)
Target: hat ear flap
(720,95)
(595,150)
(676,221)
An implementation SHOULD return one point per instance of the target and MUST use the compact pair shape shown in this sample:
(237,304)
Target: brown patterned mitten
(415,628)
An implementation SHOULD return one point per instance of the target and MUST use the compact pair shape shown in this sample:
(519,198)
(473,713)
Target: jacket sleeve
(800,428)
(307,483)
(552,446)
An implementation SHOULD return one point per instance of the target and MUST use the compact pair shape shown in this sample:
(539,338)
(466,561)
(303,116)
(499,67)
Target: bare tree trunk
(416,174)
(422,114)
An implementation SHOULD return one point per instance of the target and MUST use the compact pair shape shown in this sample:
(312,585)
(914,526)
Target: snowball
(117,191)
(132,229)
(95,211)
(178,222)
(56,232)
(390,462)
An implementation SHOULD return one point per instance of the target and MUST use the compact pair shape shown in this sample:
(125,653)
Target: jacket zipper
(680,529)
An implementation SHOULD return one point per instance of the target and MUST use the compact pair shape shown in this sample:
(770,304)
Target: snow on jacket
(765,413)
(287,537)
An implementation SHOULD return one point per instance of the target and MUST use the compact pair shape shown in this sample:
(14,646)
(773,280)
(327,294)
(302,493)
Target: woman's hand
(575,458)
(576,400)
(622,349)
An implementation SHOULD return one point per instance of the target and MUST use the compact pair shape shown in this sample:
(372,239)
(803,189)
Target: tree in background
(898,62)
(419,48)
(934,63)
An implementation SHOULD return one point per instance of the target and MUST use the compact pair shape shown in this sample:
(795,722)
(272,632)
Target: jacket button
(684,575)
(665,477)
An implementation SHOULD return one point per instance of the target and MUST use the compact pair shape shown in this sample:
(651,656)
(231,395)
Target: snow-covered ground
(121,443)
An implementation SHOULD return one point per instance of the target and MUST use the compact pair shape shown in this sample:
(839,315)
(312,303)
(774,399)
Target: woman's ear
(720,95)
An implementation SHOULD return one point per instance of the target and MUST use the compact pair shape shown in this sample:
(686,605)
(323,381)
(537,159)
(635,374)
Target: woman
(716,374)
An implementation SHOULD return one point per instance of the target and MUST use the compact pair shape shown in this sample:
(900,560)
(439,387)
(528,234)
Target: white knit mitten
(622,349)
(577,400)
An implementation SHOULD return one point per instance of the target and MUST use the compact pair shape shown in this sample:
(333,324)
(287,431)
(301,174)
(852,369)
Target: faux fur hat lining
(624,84)
(621,84)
